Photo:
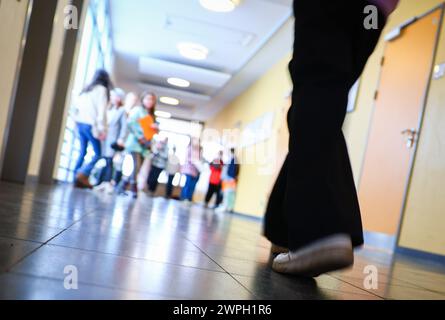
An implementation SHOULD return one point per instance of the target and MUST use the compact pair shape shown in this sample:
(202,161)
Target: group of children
(111,122)
(222,181)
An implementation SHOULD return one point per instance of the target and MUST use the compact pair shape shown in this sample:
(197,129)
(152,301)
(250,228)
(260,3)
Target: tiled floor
(159,249)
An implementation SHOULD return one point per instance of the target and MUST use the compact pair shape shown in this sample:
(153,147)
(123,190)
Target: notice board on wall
(259,130)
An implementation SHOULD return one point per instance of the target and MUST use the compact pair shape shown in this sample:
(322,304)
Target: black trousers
(169,188)
(315,195)
(214,189)
(153,177)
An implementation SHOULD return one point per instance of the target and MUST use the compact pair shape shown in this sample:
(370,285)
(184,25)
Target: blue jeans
(189,188)
(85,132)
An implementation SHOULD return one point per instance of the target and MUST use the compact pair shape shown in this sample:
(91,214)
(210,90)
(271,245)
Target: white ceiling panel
(197,76)
(146,34)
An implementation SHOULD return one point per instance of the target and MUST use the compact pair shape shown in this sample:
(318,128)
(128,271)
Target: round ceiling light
(170,101)
(178,82)
(163,114)
(219,5)
(193,51)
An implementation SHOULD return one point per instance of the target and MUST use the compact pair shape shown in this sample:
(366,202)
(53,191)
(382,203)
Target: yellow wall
(12,17)
(267,94)
(46,99)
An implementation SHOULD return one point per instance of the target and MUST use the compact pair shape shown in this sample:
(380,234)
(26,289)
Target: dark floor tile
(132,274)
(11,251)
(26,231)
(235,250)
(23,287)
(242,267)
(150,235)
(180,253)
(153,248)
(278,287)
(35,219)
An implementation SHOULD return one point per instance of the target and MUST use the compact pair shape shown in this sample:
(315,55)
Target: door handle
(411,137)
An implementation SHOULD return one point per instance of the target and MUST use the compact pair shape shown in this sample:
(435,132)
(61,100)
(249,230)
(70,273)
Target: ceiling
(242,45)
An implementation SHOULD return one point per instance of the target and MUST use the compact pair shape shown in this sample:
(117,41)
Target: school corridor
(144,145)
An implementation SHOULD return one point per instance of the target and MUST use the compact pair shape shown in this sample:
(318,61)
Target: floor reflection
(161,249)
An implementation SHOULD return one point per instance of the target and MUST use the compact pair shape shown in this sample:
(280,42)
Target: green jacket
(135,131)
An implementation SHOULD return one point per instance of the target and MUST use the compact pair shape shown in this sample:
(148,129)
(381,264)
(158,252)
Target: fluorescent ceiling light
(163,114)
(193,51)
(219,5)
(169,101)
(177,82)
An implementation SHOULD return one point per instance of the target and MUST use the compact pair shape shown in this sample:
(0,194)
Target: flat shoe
(322,256)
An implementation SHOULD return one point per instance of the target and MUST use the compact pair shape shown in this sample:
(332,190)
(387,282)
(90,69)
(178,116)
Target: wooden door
(404,81)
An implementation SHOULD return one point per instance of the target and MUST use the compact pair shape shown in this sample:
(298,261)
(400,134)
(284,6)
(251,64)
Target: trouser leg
(319,197)
(96,144)
(219,195)
(83,147)
(210,191)
(108,170)
(137,162)
(169,190)
(275,221)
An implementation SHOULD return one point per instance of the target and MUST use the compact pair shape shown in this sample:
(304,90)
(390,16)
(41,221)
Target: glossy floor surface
(159,249)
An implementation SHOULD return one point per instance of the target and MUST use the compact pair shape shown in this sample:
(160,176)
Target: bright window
(95,52)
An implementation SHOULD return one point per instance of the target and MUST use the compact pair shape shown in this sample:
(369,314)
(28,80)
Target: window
(95,52)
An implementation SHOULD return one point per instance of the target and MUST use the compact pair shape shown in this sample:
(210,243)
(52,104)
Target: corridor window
(95,52)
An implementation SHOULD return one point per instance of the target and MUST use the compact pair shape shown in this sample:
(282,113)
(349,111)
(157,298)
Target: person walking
(158,164)
(117,132)
(131,101)
(173,167)
(91,122)
(216,167)
(313,215)
(191,170)
(137,145)
(229,178)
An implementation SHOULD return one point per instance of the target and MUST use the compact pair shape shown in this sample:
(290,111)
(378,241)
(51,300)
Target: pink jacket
(189,167)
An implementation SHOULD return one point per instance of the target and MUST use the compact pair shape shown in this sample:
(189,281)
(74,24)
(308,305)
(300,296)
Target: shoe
(101,187)
(220,209)
(82,182)
(134,191)
(186,203)
(121,188)
(322,256)
(109,189)
(278,250)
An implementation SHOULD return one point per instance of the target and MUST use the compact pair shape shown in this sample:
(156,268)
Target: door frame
(396,237)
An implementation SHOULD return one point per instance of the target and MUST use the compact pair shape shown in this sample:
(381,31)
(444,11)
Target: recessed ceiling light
(163,114)
(169,101)
(220,5)
(193,51)
(178,82)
